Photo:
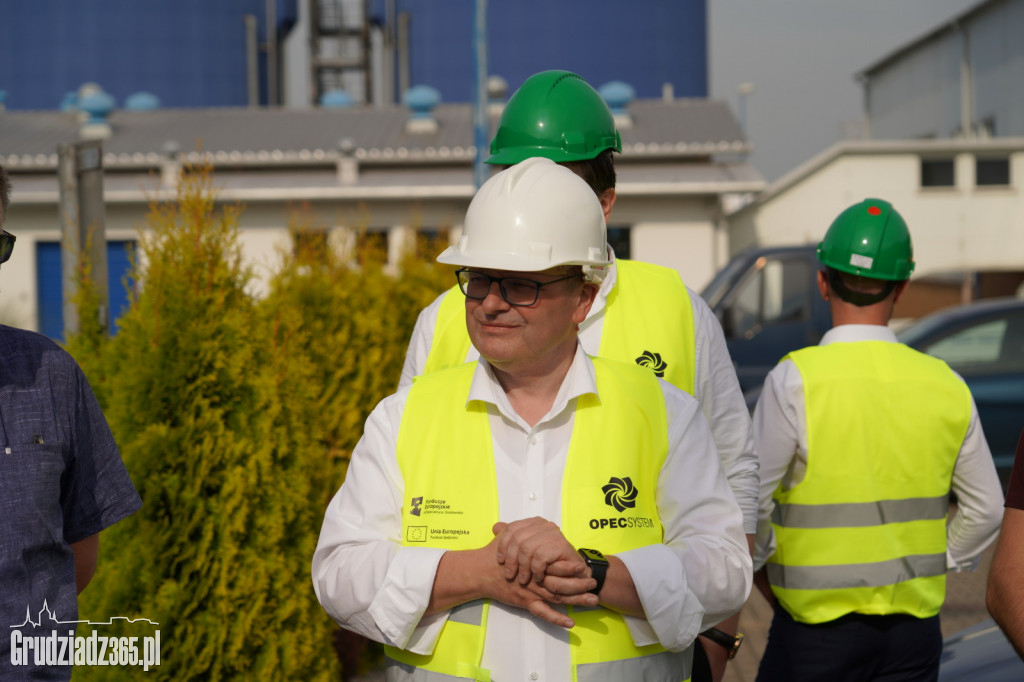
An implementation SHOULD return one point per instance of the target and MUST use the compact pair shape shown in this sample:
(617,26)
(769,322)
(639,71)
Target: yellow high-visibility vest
(450,500)
(865,530)
(648,320)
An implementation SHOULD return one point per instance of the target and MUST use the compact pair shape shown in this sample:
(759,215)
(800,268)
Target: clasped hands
(540,568)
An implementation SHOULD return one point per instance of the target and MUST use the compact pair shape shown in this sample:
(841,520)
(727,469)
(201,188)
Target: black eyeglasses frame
(501,285)
(6,245)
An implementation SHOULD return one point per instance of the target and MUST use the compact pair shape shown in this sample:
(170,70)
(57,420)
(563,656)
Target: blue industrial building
(203,54)
(189,53)
(197,53)
(646,44)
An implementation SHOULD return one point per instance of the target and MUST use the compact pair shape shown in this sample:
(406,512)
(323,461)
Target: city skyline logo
(51,617)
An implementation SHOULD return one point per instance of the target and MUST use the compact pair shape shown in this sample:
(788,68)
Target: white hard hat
(531,217)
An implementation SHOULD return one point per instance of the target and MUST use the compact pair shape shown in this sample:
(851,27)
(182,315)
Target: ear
(588,294)
(823,285)
(607,198)
(898,291)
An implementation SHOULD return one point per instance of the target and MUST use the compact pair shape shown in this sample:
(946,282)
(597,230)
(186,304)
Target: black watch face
(593,555)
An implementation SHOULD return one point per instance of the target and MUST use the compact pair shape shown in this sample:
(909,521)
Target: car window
(744,312)
(775,292)
(993,345)
(786,296)
(976,345)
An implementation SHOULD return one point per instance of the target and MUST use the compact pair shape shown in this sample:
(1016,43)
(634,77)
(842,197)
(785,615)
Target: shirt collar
(607,284)
(579,380)
(858,332)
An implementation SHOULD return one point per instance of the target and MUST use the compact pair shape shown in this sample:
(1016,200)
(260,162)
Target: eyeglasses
(516,291)
(6,245)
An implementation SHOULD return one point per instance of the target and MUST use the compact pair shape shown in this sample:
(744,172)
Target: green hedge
(236,417)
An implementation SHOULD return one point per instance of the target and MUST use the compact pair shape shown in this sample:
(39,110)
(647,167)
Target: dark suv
(983,342)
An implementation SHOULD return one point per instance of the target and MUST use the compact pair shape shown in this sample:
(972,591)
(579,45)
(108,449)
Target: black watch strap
(598,566)
(731,643)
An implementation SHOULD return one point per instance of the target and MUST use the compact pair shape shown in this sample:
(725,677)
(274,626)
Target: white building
(946,113)
(381,171)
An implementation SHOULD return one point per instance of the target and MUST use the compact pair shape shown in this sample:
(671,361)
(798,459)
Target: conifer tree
(215,555)
(340,334)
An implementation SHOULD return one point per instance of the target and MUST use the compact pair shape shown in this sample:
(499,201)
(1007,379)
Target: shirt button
(533,441)
(533,498)
(534,676)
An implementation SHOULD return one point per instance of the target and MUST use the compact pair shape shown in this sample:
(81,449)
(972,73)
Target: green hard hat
(557,115)
(869,239)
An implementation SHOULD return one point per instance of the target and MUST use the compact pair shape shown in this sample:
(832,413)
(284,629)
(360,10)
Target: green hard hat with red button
(869,239)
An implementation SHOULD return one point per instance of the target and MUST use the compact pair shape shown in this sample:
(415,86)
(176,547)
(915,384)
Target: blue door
(49,284)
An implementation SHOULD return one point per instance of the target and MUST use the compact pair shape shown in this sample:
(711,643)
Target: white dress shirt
(716,387)
(780,435)
(369,583)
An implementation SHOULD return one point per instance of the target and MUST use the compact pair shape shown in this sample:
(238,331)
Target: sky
(801,57)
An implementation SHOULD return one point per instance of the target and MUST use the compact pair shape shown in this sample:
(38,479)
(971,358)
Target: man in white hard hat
(643,313)
(538,514)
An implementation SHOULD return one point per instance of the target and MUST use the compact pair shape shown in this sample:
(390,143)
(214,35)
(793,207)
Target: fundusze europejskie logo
(654,362)
(621,494)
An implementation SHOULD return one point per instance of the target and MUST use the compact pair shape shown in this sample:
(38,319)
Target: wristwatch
(598,566)
(731,643)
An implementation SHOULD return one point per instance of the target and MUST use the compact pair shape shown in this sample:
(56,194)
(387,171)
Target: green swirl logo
(654,361)
(620,493)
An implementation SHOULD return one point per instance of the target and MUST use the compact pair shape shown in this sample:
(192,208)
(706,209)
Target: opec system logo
(654,361)
(620,493)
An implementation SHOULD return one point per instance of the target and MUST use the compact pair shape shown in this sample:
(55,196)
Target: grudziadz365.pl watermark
(93,649)
(63,647)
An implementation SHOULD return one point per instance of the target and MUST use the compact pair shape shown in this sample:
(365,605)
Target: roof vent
(142,101)
(421,100)
(618,95)
(337,99)
(97,106)
(348,166)
(170,166)
(497,92)
(70,101)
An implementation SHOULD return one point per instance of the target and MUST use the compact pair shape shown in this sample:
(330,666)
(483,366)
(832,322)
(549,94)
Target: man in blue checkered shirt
(62,481)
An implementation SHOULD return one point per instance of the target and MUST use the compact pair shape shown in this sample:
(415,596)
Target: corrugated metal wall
(193,52)
(919,93)
(645,44)
(187,52)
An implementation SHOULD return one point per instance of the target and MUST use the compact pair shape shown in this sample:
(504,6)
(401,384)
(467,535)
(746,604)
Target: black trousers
(701,667)
(854,648)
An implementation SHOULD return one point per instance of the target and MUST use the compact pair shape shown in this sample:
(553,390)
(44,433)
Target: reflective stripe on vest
(648,321)
(450,500)
(865,530)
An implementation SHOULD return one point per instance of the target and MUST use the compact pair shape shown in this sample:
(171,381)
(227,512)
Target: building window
(372,247)
(310,245)
(618,237)
(937,173)
(50,284)
(992,172)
